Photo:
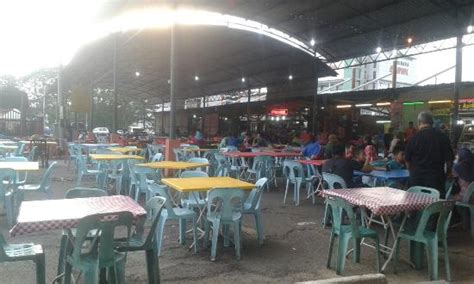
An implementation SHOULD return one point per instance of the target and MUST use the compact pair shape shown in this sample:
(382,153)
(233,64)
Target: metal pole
(315,97)
(60,103)
(114,79)
(248,109)
(173,82)
(457,87)
(394,74)
(162,117)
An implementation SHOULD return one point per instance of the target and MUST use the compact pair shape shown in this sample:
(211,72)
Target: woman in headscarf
(370,153)
(463,171)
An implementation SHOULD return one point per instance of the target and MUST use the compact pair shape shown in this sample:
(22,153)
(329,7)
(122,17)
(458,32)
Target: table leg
(402,225)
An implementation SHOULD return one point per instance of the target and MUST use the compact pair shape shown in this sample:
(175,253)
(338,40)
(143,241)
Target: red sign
(279,111)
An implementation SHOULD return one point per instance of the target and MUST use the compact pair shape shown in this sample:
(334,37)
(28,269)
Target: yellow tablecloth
(111,157)
(172,165)
(205,183)
(20,166)
(124,150)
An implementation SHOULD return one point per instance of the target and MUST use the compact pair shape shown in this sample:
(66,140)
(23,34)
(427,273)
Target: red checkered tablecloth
(265,153)
(46,215)
(383,200)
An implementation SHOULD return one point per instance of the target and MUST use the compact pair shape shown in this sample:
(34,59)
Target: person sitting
(329,149)
(371,153)
(312,149)
(398,161)
(259,141)
(345,168)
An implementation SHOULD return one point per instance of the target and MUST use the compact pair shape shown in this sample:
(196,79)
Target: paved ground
(295,249)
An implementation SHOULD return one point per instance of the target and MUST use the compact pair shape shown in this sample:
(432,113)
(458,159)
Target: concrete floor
(295,249)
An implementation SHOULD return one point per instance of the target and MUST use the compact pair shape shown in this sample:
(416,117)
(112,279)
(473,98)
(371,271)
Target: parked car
(466,140)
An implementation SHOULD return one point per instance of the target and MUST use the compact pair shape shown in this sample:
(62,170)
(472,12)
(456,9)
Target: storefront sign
(279,111)
(466,104)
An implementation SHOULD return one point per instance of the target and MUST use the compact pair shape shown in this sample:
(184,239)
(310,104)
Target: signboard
(466,104)
(279,111)
(81,100)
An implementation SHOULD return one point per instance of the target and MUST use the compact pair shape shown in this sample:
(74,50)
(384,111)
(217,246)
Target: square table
(20,166)
(47,215)
(172,165)
(385,202)
(205,183)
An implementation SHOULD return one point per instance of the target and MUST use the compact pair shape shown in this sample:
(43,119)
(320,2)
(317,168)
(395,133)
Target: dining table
(384,203)
(20,166)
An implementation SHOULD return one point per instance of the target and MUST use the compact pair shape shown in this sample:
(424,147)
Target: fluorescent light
(469,29)
(283,117)
(378,49)
(272,118)
(243,79)
(383,121)
(413,103)
(312,42)
(384,104)
(440,102)
(196,78)
(363,105)
(290,77)
(343,106)
(278,119)
(137,73)
(194,116)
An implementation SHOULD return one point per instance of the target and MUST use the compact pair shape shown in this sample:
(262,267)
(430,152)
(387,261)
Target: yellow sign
(81,99)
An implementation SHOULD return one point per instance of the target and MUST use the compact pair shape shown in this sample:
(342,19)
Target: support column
(162,115)
(248,109)
(60,103)
(173,82)
(394,74)
(457,88)
(114,79)
(315,98)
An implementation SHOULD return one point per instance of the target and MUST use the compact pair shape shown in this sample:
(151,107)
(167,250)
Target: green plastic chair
(33,153)
(142,177)
(294,173)
(7,193)
(352,231)
(170,212)
(252,207)
(83,170)
(330,182)
(76,192)
(430,239)
(140,242)
(224,208)
(424,190)
(19,151)
(23,252)
(21,176)
(200,160)
(43,186)
(101,255)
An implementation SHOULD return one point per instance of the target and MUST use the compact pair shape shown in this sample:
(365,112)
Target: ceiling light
(283,117)
(363,105)
(383,121)
(460,122)
(469,29)
(194,116)
(196,78)
(384,104)
(278,119)
(290,77)
(322,107)
(243,79)
(378,49)
(272,118)
(343,106)
(413,103)
(440,102)
(137,73)
(409,40)
(312,42)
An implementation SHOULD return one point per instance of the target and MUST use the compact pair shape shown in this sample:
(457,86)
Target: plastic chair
(141,242)
(158,157)
(19,151)
(252,207)
(224,208)
(179,155)
(465,203)
(21,176)
(170,212)
(294,174)
(430,239)
(333,182)
(32,154)
(99,256)
(201,161)
(142,181)
(193,199)
(7,193)
(22,252)
(85,171)
(354,231)
(43,186)
(224,167)
(424,190)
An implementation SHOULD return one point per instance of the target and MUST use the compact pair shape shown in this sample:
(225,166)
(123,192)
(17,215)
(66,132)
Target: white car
(101,130)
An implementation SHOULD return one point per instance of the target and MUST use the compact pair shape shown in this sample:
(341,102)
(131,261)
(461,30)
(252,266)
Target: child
(398,161)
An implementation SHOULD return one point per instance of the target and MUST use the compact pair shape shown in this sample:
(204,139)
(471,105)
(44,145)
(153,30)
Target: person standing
(427,153)
(410,131)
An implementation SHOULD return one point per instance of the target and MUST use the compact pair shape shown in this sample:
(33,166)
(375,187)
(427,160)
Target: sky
(37,34)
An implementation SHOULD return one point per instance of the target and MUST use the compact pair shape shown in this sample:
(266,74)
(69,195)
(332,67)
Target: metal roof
(220,56)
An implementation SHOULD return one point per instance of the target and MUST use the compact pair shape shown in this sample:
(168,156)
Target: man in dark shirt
(427,153)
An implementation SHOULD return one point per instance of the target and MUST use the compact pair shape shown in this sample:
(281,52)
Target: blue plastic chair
(252,206)
(331,182)
(143,178)
(83,170)
(7,193)
(33,153)
(19,151)
(43,186)
(193,199)
(21,176)
(224,208)
(158,157)
(173,213)
(114,175)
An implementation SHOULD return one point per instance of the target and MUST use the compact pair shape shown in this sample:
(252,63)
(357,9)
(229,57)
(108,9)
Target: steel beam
(457,87)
